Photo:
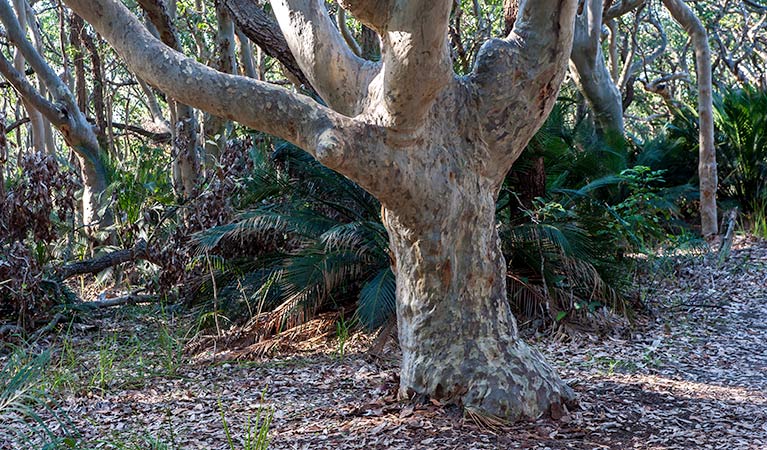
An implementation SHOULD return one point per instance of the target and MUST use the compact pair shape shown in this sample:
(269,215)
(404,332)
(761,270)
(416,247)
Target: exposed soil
(692,377)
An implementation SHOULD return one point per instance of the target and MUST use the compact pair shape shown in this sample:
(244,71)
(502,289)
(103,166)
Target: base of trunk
(514,383)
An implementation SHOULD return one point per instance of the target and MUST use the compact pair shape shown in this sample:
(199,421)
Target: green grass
(759,220)
(119,357)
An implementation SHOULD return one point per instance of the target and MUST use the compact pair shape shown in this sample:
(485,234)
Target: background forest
(113,194)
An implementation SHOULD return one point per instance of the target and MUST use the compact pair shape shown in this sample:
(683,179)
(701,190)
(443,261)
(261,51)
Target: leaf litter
(691,375)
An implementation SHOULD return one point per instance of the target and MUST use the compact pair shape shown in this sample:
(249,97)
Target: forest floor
(691,375)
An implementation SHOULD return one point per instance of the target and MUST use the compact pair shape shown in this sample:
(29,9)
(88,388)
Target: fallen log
(100,263)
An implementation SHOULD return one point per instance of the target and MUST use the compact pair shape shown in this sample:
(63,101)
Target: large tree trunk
(459,339)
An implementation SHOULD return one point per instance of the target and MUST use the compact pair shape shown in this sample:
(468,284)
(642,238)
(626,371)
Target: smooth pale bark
(36,121)
(216,129)
(64,114)
(338,75)
(707,158)
(591,73)
(433,147)
(37,42)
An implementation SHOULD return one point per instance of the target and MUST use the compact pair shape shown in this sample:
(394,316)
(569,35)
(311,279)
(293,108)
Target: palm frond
(377,300)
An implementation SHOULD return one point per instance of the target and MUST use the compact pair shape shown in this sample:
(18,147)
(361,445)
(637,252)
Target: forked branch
(339,76)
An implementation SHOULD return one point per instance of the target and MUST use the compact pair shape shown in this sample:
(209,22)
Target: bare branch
(29,92)
(621,8)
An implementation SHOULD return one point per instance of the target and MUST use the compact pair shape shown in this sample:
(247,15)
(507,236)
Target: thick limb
(416,62)
(340,77)
(516,80)
(591,73)
(339,142)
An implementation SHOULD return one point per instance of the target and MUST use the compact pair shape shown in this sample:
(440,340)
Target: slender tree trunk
(247,64)
(37,41)
(707,160)
(216,129)
(185,147)
(99,107)
(36,120)
(3,154)
(76,26)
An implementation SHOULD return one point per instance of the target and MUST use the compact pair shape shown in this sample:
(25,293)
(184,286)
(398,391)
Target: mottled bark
(458,337)
(707,158)
(432,147)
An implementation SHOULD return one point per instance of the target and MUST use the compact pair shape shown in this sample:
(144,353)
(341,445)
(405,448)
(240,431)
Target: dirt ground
(693,376)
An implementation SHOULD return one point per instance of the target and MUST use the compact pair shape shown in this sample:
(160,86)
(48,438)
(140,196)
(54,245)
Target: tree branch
(340,77)
(516,79)
(163,137)
(341,143)
(29,92)
(260,28)
(345,32)
(416,62)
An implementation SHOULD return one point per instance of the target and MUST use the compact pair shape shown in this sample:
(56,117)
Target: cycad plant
(312,243)
(26,415)
(567,242)
(741,141)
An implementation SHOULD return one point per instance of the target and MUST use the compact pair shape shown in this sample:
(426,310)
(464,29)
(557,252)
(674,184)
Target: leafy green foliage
(566,240)
(741,142)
